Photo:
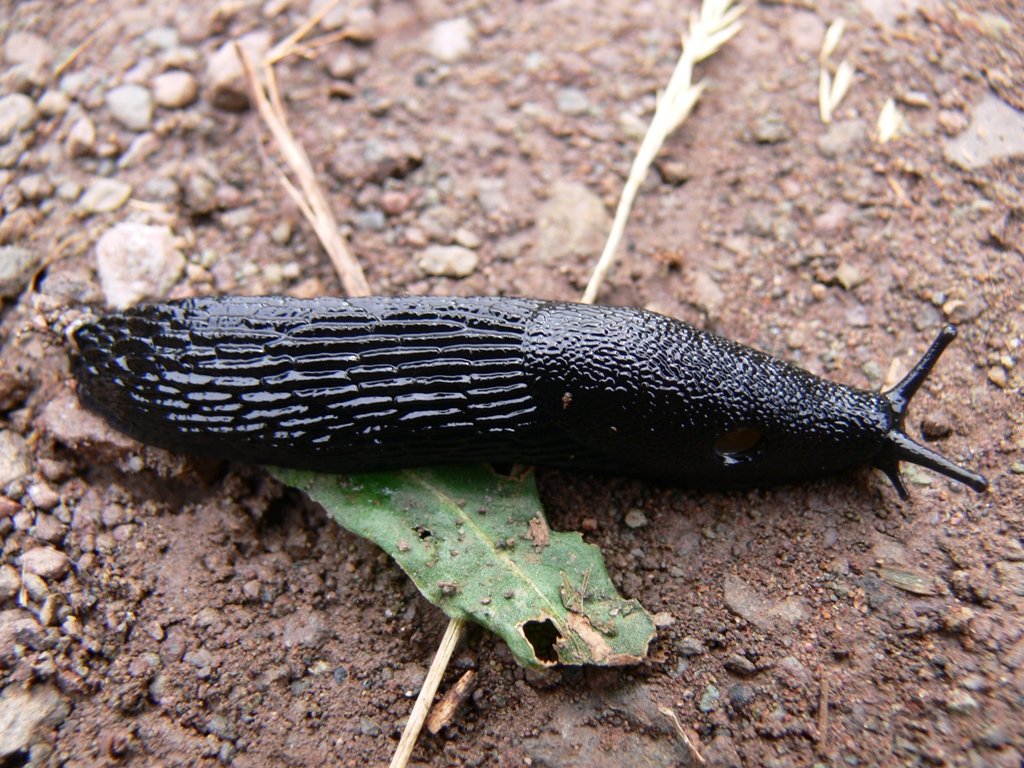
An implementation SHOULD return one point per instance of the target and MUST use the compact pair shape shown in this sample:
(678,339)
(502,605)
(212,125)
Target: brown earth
(204,614)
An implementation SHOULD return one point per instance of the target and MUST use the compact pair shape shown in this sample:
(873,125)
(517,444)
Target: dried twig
(717,23)
(681,732)
(449,704)
(451,638)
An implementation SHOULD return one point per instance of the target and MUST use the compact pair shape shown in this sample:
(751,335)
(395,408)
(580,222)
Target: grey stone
(573,222)
(136,261)
(105,195)
(690,646)
(709,699)
(451,40)
(16,267)
(447,261)
(996,131)
(131,105)
(175,89)
(571,101)
(26,714)
(14,457)
(17,113)
(46,562)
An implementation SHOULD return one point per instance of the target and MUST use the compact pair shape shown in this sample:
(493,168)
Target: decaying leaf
(478,546)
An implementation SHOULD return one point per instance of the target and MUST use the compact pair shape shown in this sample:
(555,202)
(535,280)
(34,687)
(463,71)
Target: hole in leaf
(542,636)
(738,444)
(422,532)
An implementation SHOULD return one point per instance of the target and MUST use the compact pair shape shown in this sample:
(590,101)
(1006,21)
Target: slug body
(345,385)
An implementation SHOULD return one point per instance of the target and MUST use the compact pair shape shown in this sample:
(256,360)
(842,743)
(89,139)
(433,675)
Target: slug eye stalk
(900,447)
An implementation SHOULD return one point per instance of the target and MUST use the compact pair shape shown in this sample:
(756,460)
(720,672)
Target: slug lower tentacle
(374,383)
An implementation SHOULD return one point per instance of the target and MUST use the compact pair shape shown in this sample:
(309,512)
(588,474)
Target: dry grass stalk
(682,734)
(717,23)
(305,191)
(451,638)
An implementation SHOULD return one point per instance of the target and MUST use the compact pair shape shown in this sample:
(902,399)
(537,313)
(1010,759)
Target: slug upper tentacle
(361,384)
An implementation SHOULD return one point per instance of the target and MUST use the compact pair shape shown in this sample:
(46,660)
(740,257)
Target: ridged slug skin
(345,385)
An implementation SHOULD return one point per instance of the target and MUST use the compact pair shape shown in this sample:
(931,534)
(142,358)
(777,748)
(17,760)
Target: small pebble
(45,562)
(225,75)
(10,582)
(131,105)
(35,187)
(770,128)
(690,646)
(281,233)
(848,276)
(81,139)
(635,518)
(343,65)
(740,696)
(447,261)
(28,48)
(17,265)
(53,103)
(14,457)
(137,261)
(105,195)
(175,89)
(451,40)
(467,238)
(740,665)
(571,101)
(709,699)
(17,113)
(997,375)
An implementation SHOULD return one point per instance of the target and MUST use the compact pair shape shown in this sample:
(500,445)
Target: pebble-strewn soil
(156,610)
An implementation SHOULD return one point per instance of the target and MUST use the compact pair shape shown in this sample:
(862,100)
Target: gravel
(14,457)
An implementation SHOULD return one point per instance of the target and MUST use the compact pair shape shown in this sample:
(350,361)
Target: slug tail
(900,447)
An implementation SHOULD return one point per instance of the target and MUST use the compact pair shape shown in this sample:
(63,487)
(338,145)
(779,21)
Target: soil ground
(204,614)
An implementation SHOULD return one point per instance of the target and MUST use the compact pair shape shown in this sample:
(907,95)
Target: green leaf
(478,546)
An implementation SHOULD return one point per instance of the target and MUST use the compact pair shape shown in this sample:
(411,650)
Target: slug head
(899,447)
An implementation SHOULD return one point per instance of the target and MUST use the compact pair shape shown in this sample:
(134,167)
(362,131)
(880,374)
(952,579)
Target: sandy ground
(163,611)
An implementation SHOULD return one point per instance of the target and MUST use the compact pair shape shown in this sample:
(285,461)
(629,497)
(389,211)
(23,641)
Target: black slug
(345,385)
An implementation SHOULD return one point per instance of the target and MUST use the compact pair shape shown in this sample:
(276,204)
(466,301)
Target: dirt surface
(162,611)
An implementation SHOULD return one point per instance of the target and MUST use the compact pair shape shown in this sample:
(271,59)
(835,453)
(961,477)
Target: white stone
(447,261)
(451,40)
(175,89)
(137,261)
